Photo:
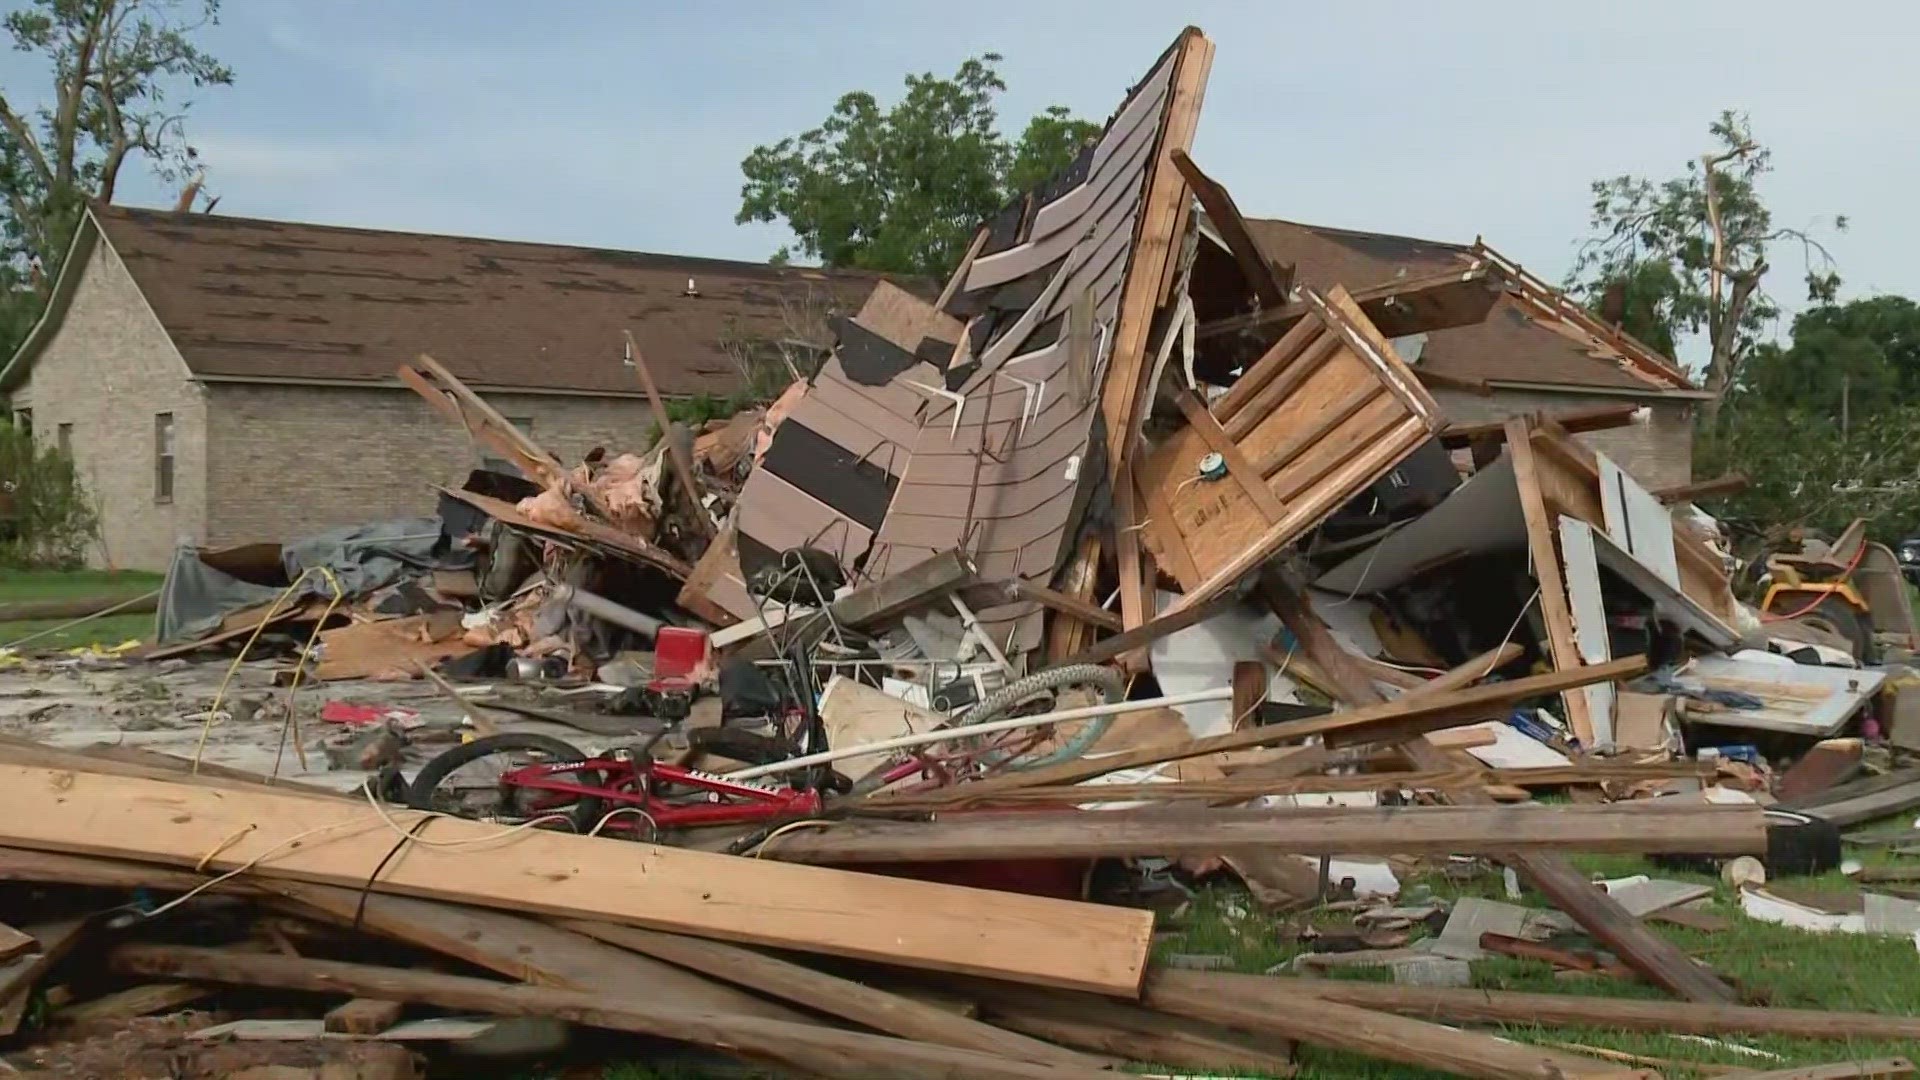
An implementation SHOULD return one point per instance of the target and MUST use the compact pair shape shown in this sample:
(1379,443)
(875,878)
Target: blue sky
(623,124)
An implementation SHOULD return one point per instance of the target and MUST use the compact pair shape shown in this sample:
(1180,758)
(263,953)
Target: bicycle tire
(1108,681)
(583,815)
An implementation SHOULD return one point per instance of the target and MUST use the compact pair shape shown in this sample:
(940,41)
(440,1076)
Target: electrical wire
(805,823)
(292,723)
(219,695)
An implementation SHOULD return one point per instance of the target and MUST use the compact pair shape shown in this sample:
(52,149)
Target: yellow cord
(299,669)
(221,694)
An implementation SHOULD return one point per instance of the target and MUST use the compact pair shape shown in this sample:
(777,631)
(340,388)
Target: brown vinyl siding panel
(1006,494)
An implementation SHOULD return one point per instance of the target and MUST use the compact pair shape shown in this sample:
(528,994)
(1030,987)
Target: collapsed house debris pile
(1124,553)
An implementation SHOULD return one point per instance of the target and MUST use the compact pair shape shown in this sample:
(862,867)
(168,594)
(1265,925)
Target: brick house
(225,380)
(1533,351)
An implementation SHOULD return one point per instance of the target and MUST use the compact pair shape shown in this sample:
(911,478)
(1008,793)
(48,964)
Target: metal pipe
(602,608)
(923,738)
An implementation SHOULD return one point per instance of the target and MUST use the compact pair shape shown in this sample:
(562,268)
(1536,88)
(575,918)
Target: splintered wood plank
(1137,603)
(1251,480)
(1162,220)
(1554,607)
(1427,830)
(1226,218)
(867,1006)
(1389,721)
(814,1049)
(1370,1034)
(18,975)
(891,920)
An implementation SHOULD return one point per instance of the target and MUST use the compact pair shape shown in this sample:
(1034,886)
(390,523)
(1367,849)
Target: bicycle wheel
(466,781)
(1045,691)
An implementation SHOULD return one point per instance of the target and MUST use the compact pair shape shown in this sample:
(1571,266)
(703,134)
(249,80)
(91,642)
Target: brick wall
(1656,449)
(286,461)
(108,370)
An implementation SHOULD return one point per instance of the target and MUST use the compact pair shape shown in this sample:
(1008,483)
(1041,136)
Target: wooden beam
(905,591)
(1379,303)
(1725,484)
(1328,1023)
(1652,956)
(1138,602)
(1351,681)
(1554,608)
(676,454)
(1114,1027)
(1163,214)
(1253,782)
(143,1000)
(1468,673)
(867,1006)
(1226,218)
(891,920)
(1385,722)
(818,1050)
(1061,602)
(1478,1006)
(1151,631)
(1596,418)
(1625,828)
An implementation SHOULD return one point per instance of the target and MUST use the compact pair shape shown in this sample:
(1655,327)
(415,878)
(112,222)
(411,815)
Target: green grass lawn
(18,585)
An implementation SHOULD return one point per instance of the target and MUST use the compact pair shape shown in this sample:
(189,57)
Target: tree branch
(69,91)
(24,136)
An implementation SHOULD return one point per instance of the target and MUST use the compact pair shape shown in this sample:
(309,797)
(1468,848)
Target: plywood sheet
(1350,411)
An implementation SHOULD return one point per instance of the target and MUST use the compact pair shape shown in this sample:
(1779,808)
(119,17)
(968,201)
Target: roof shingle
(248,298)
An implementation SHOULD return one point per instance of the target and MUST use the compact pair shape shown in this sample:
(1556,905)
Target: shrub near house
(46,519)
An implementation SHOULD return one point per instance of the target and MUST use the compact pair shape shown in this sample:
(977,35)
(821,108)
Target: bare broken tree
(117,67)
(771,359)
(1690,255)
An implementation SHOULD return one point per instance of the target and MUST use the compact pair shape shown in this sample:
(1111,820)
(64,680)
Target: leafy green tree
(1849,360)
(902,189)
(1689,255)
(116,75)
(1801,472)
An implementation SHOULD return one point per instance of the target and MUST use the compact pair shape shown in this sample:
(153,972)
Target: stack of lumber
(372,915)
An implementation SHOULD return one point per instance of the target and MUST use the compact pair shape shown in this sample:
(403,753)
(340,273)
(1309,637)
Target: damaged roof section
(1530,334)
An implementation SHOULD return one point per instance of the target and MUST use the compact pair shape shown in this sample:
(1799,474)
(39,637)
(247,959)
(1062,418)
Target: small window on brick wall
(500,464)
(163,457)
(63,438)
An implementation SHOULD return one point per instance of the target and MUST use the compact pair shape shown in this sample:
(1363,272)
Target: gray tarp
(362,558)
